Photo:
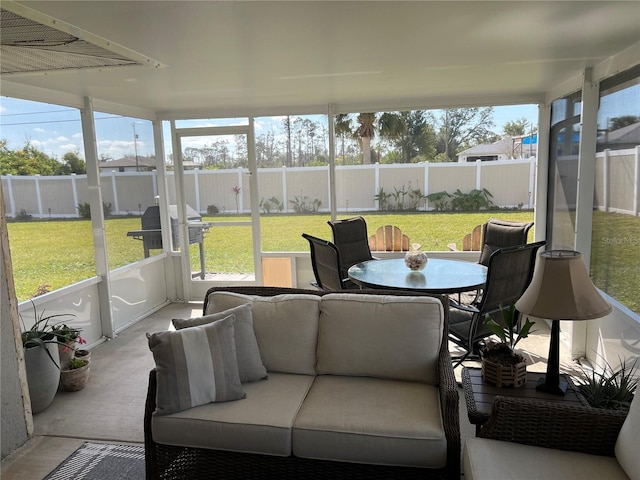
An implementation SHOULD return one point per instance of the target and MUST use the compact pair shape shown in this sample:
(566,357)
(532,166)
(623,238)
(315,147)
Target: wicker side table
(479,396)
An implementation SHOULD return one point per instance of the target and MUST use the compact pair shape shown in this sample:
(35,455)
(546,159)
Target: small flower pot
(76,379)
(82,354)
(503,375)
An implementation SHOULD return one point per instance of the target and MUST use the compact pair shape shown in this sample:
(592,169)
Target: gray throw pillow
(195,366)
(250,363)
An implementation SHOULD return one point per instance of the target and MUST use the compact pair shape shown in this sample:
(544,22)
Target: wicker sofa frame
(554,425)
(174,462)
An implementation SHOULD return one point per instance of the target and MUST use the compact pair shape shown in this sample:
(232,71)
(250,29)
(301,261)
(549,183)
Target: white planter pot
(43,375)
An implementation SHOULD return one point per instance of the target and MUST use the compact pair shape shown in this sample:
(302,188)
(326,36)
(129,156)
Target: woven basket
(504,376)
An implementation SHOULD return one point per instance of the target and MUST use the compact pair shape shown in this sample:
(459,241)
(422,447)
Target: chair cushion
(261,423)
(250,366)
(486,459)
(371,420)
(286,328)
(487,251)
(196,366)
(629,440)
(382,336)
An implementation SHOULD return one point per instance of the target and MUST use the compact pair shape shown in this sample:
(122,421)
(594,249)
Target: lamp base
(559,389)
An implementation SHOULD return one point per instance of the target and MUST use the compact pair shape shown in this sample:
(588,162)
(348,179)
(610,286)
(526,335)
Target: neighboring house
(622,138)
(507,148)
(128,164)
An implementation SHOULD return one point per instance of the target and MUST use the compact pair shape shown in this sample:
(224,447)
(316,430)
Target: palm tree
(366,131)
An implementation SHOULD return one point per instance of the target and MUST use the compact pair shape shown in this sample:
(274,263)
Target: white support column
(254,192)
(542,176)
(585,193)
(333,206)
(478,174)
(97,218)
(586,166)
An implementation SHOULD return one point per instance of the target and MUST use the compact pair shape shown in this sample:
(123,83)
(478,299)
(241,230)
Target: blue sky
(57,130)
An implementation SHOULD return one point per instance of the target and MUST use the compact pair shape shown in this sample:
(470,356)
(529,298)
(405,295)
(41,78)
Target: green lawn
(60,253)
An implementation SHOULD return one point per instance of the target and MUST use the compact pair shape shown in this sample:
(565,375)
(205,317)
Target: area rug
(102,461)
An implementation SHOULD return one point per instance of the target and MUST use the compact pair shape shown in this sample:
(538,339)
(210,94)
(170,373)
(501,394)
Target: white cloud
(62,139)
(39,130)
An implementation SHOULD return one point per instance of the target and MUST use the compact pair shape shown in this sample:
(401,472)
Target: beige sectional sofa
(356,384)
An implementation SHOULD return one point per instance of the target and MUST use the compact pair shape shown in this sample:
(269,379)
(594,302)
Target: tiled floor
(111,406)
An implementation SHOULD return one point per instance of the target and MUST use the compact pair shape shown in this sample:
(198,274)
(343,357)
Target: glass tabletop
(439,276)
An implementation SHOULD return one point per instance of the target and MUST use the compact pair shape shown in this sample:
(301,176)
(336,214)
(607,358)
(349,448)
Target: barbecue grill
(151,233)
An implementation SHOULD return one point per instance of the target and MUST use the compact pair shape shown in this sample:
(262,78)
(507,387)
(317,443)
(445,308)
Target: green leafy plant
(610,388)
(383,199)
(65,333)
(41,332)
(212,210)
(472,201)
(76,363)
(305,204)
(440,200)
(272,204)
(504,351)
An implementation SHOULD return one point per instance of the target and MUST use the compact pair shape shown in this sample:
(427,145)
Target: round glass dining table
(439,276)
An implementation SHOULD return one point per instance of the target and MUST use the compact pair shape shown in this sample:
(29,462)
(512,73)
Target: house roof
(128,162)
(239,58)
(629,134)
(502,146)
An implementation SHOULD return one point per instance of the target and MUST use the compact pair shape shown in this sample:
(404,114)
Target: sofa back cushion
(285,326)
(380,336)
(628,441)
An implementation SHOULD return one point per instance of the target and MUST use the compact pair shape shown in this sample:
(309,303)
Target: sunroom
(180,73)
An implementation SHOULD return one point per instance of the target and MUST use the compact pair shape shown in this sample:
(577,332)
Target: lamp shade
(562,290)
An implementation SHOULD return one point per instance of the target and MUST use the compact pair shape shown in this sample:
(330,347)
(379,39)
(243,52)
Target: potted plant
(68,338)
(501,364)
(42,360)
(611,388)
(74,376)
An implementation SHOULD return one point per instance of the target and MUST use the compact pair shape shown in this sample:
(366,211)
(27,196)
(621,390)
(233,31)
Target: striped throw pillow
(196,366)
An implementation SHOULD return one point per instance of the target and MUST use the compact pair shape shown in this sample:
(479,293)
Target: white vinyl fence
(510,182)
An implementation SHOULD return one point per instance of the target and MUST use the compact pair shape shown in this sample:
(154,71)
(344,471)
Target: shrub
(23,215)
(212,210)
(84,210)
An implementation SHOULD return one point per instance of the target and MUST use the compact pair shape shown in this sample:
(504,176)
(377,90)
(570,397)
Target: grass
(60,252)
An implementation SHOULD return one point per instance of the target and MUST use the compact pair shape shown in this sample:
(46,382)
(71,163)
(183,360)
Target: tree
(26,161)
(410,133)
(74,164)
(461,128)
(618,122)
(516,128)
(366,132)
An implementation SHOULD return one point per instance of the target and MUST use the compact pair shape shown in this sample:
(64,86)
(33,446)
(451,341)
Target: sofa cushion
(286,328)
(195,366)
(629,440)
(486,459)
(250,365)
(380,336)
(261,423)
(371,420)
